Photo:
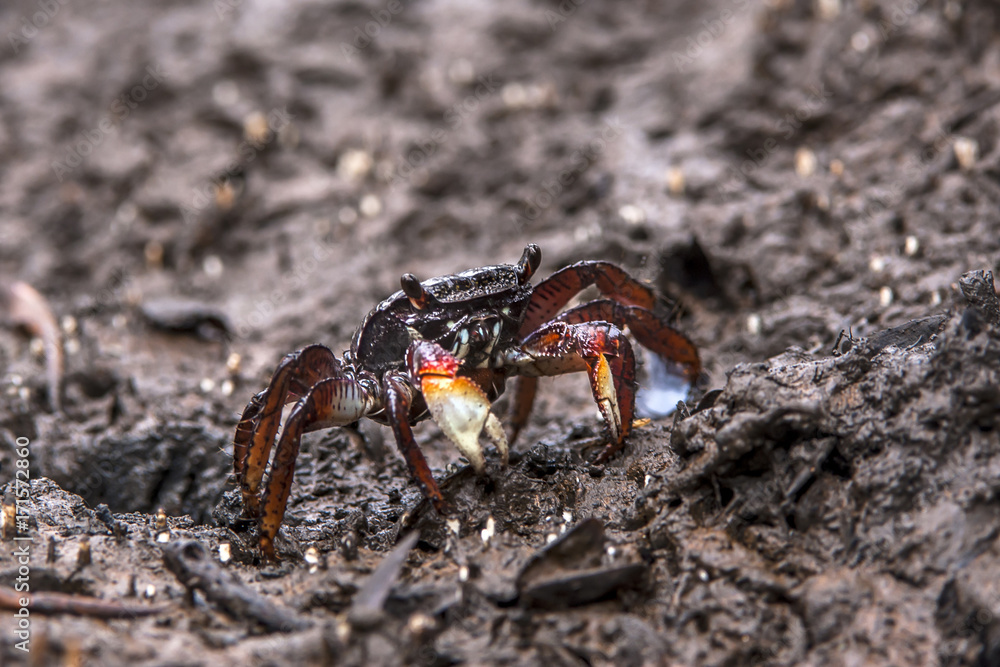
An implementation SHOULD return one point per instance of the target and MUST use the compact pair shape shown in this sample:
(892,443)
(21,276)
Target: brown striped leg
(398,399)
(330,402)
(550,295)
(255,433)
(649,329)
(521,401)
(601,349)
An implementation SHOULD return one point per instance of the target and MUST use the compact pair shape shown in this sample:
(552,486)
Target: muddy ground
(197,189)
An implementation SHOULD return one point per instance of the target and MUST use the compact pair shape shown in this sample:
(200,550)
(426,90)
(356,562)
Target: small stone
(876,264)
(354,165)
(225,552)
(212,266)
(255,128)
(206,385)
(805,162)
(885,296)
(754,324)
(966,152)
(675,180)
(233,362)
(837,168)
(911,246)
(69,325)
(370,206)
(632,214)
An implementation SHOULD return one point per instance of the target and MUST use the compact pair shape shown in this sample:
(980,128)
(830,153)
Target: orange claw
(458,405)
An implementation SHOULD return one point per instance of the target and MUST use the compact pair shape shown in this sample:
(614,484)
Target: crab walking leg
(601,349)
(398,399)
(458,404)
(331,402)
(649,329)
(258,427)
(522,399)
(554,292)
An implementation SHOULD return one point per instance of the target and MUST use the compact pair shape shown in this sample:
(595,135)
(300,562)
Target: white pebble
(885,296)
(72,346)
(912,246)
(370,206)
(354,165)
(163,537)
(487,533)
(805,162)
(876,264)
(550,538)
(150,591)
(227,387)
(754,324)
(463,573)
(212,266)
(225,552)
(206,385)
(860,41)
(69,325)
(632,214)
(453,525)
(966,152)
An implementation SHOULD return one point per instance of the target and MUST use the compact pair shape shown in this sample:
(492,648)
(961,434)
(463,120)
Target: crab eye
(414,291)
(528,264)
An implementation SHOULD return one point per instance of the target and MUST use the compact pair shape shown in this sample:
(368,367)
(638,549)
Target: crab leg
(398,402)
(601,349)
(554,292)
(649,329)
(258,427)
(458,404)
(330,402)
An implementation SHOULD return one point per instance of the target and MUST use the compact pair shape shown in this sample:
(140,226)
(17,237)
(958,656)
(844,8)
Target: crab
(444,348)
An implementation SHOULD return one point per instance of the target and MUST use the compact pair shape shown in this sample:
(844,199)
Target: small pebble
(72,346)
(885,296)
(227,387)
(37,347)
(420,624)
(828,9)
(212,266)
(255,128)
(675,180)
(354,165)
(911,246)
(163,537)
(233,362)
(876,264)
(836,167)
(754,324)
(150,592)
(860,41)
(463,573)
(805,162)
(487,533)
(206,385)
(703,575)
(632,214)
(370,206)
(966,152)
(69,325)
(453,525)
(225,552)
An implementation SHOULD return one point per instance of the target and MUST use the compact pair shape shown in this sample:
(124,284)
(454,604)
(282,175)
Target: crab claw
(457,404)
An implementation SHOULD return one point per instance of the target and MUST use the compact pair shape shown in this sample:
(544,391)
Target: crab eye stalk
(528,264)
(414,291)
